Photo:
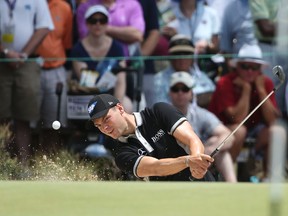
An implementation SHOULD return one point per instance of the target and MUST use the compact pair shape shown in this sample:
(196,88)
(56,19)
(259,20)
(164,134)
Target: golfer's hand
(199,165)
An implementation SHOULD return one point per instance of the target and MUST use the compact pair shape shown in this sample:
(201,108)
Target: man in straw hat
(238,93)
(182,58)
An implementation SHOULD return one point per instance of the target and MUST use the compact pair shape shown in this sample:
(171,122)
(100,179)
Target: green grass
(41,198)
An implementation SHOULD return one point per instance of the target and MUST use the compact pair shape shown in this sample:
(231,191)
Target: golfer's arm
(150,166)
(185,134)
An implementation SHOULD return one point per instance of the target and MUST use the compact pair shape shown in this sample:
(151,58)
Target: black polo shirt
(156,125)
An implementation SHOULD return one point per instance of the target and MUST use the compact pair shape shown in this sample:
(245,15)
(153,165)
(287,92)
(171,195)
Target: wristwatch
(4,53)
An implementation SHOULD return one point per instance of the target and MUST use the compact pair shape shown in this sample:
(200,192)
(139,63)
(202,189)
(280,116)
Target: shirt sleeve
(216,22)
(67,41)
(128,156)
(167,116)
(43,18)
(226,31)
(150,12)
(136,18)
(80,19)
(259,9)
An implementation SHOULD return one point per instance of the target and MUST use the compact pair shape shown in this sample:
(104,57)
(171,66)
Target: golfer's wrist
(186,161)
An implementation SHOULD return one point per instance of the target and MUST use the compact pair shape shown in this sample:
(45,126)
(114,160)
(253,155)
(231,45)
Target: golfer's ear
(120,108)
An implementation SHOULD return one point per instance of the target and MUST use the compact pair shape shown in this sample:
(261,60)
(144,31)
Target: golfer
(157,142)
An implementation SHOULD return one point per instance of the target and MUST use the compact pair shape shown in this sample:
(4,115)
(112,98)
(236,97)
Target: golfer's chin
(114,137)
(113,134)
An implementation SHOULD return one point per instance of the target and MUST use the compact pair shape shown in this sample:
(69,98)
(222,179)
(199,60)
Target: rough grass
(9,168)
(64,166)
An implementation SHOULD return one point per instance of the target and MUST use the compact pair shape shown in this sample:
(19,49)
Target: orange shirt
(53,47)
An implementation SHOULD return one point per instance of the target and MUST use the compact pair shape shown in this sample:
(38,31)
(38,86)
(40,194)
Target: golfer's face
(112,124)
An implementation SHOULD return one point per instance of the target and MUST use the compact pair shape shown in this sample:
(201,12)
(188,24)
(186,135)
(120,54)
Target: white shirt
(205,19)
(28,15)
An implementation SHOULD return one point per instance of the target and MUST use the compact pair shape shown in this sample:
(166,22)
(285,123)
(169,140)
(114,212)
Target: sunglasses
(93,21)
(252,67)
(176,89)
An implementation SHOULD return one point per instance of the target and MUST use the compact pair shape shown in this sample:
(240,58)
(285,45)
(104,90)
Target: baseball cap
(249,53)
(180,43)
(99,105)
(96,9)
(182,77)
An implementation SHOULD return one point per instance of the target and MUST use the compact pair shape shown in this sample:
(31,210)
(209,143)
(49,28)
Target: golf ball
(56,125)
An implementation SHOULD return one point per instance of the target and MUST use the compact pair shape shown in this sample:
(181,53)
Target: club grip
(214,152)
(211,155)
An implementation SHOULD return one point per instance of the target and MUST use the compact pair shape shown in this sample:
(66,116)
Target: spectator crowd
(211,59)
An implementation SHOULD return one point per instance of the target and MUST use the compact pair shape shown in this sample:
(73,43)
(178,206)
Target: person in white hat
(251,54)
(205,124)
(101,49)
(240,91)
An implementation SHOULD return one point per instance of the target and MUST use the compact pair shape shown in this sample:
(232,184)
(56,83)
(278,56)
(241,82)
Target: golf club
(279,73)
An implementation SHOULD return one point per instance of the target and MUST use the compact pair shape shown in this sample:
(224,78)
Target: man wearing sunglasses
(126,23)
(99,50)
(239,92)
(205,124)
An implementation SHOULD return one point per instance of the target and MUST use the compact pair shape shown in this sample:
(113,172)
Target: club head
(279,73)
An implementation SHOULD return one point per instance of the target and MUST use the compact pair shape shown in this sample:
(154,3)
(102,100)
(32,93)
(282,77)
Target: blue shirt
(150,13)
(237,27)
(203,121)
(78,51)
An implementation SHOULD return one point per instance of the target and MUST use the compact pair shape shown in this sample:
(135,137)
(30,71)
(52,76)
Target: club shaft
(235,130)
